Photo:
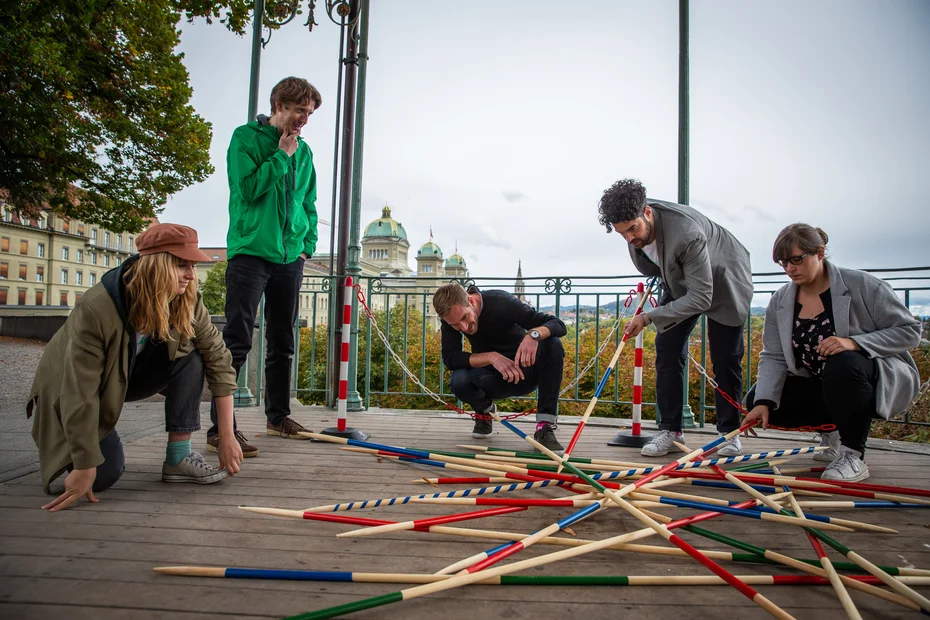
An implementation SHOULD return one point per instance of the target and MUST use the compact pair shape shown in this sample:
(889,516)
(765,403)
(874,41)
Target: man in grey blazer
(704,270)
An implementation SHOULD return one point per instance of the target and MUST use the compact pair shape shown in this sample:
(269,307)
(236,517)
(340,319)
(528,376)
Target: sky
(499,125)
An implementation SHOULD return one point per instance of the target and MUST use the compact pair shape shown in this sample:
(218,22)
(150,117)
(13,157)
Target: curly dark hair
(625,200)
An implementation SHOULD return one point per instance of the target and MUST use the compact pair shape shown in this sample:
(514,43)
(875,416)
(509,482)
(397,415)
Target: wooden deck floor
(96,562)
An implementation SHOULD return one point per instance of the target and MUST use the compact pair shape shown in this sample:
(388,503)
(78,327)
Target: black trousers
(480,387)
(180,382)
(247,279)
(843,395)
(726,355)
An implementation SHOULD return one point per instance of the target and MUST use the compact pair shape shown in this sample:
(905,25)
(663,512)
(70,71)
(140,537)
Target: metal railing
(588,305)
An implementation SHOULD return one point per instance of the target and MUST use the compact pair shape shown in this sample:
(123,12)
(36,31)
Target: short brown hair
(294,90)
(803,236)
(449,296)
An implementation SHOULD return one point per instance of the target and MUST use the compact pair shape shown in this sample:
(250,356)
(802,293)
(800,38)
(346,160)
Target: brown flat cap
(175,239)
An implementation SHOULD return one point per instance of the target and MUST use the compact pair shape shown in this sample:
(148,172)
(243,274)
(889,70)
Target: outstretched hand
(759,412)
(79,483)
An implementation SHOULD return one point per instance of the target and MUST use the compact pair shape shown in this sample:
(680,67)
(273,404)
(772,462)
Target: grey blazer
(703,266)
(866,309)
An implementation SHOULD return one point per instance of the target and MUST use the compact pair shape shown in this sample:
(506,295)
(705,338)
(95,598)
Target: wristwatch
(534,334)
(646,319)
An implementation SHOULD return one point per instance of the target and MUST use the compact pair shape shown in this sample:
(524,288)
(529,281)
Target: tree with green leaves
(97,121)
(214,289)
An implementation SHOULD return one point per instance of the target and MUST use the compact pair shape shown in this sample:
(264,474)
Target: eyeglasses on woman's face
(794,260)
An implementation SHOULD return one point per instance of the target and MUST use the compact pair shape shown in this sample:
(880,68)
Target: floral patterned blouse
(808,333)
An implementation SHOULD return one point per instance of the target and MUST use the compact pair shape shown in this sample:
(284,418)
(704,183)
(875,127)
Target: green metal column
(354,401)
(684,145)
(243,396)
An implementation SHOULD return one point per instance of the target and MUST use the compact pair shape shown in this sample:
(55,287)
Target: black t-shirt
(502,325)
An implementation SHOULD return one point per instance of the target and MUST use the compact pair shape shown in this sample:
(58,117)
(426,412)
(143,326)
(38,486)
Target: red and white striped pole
(638,374)
(341,429)
(635,438)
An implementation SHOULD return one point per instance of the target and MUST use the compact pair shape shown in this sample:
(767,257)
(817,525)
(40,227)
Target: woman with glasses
(835,351)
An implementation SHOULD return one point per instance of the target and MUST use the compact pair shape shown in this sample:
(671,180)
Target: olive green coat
(80,385)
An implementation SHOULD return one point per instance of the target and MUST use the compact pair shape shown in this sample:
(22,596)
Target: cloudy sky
(500,124)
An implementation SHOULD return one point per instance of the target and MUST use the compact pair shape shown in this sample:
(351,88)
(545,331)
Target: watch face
(534,334)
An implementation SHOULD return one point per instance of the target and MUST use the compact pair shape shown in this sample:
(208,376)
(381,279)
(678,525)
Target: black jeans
(480,387)
(843,395)
(181,383)
(247,279)
(726,356)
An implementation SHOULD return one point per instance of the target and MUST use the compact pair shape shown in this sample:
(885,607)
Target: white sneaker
(833,441)
(846,467)
(730,448)
(663,443)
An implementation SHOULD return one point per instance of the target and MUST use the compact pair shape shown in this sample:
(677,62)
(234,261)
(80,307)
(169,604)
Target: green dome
(455,260)
(385,226)
(429,249)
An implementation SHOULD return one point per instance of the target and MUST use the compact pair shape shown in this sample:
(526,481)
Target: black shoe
(483,428)
(546,436)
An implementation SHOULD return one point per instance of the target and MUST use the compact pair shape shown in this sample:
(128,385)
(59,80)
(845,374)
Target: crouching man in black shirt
(514,350)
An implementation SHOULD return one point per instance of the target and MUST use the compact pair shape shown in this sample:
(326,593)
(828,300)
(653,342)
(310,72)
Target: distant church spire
(519,288)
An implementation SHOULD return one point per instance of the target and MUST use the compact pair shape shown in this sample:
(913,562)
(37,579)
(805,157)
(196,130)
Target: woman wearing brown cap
(143,330)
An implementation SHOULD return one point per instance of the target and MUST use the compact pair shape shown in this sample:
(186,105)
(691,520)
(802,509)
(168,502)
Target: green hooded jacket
(272,196)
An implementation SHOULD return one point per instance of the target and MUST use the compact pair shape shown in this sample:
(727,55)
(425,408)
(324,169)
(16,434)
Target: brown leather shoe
(288,429)
(213,444)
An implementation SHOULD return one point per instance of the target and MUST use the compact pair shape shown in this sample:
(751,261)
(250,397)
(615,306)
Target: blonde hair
(154,304)
(449,296)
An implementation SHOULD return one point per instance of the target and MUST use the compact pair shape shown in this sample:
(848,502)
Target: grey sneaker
(663,443)
(192,468)
(846,467)
(730,448)
(546,436)
(833,441)
(483,426)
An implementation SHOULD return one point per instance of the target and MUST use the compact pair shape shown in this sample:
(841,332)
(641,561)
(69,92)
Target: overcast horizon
(500,126)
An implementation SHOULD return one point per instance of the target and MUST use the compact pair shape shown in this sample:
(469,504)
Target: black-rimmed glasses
(794,260)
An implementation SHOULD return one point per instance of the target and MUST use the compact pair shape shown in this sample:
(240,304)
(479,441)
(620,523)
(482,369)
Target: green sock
(176,451)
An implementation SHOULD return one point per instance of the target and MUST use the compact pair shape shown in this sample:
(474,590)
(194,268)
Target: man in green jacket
(272,231)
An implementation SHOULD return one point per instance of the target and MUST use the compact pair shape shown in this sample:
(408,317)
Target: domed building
(455,266)
(385,244)
(429,260)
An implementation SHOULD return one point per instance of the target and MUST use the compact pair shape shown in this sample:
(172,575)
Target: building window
(22,271)
(93,258)
(4,271)
(81,229)
(40,250)
(64,253)
(2,296)
(4,244)
(79,278)
(63,300)
(40,298)
(23,247)
(77,298)
(22,297)
(119,261)
(66,225)
(93,234)
(427,269)
(43,222)
(119,242)
(80,256)
(131,247)
(93,278)
(106,260)
(23,220)
(106,238)
(40,273)
(64,276)
(7,215)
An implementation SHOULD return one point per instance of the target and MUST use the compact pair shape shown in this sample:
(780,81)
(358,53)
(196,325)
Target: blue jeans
(181,383)
(480,387)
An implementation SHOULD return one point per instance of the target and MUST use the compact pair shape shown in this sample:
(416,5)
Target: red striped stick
(425,524)
(344,355)
(638,374)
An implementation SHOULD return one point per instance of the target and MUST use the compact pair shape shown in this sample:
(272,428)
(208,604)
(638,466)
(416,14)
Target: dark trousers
(726,356)
(247,279)
(480,387)
(843,395)
(180,382)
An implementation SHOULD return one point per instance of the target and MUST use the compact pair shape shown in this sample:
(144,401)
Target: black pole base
(349,433)
(628,439)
